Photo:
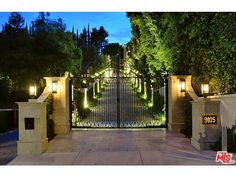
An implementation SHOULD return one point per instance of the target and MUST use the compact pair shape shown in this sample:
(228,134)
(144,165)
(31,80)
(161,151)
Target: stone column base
(61,129)
(196,144)
(32,147)
(201,145)
(175,127)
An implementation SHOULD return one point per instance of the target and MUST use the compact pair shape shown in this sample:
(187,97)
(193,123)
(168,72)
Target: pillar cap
(56,78)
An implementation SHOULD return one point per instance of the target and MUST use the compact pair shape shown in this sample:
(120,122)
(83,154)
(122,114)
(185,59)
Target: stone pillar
(61,104)
(175,101)
(32,128)
(203,136)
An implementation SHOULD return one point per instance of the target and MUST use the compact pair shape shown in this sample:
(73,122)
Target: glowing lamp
(32,90)
(54,86)
(205,89)
(145,91)
(85,98)
(182,85)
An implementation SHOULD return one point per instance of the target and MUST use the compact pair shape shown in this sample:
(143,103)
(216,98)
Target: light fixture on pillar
(182,85)
(32,90)
(54,86)
(205,89)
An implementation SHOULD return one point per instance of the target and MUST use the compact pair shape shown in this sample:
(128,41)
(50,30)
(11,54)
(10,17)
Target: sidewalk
(119,147)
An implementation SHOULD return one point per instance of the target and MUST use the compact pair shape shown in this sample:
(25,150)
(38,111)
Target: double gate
(115,99)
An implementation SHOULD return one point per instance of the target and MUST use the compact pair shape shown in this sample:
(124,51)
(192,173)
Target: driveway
(119,147)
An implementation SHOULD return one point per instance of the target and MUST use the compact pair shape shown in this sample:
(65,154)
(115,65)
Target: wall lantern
(205,89)
(182,85)
(54,86)
(32,90)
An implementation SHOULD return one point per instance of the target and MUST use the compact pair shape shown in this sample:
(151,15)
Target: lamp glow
(107,73)
(85,98)
(54,86)
(98,86)
(72,92)
(110,72)
(140,86)
(152,96)
(205,88)
(136,82)
(94,92)
(145,91)
(182,85)
(32,90)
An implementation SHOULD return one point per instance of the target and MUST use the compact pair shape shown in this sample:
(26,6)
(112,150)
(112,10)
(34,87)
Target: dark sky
(116,23)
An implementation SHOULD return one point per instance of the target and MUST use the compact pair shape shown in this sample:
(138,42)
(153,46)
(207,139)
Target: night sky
(116,23)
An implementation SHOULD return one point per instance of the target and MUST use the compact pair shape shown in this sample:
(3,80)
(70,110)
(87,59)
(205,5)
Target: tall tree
(98,38)
(200,44)
(15,50)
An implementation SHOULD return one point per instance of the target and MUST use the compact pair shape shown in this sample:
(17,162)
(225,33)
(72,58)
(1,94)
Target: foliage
(231,141)
(50,122)
(49,102)
(27,54)
(200,44)
(115,52)
(158,103)
(187,129)
(50,129)
(79,104)
(92,43)
(113,49)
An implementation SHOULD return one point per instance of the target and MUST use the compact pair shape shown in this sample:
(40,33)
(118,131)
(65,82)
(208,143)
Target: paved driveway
(119,147)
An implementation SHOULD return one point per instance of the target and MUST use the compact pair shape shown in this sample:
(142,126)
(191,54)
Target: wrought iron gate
(115,99)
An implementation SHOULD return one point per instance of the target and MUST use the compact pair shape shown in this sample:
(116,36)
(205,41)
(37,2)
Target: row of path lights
(100,83)
(137,82)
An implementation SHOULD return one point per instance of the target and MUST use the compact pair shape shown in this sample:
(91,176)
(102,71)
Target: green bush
(50,122)
(158,102)
(231,141)
(79,103)
(187,106)
(50,129)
